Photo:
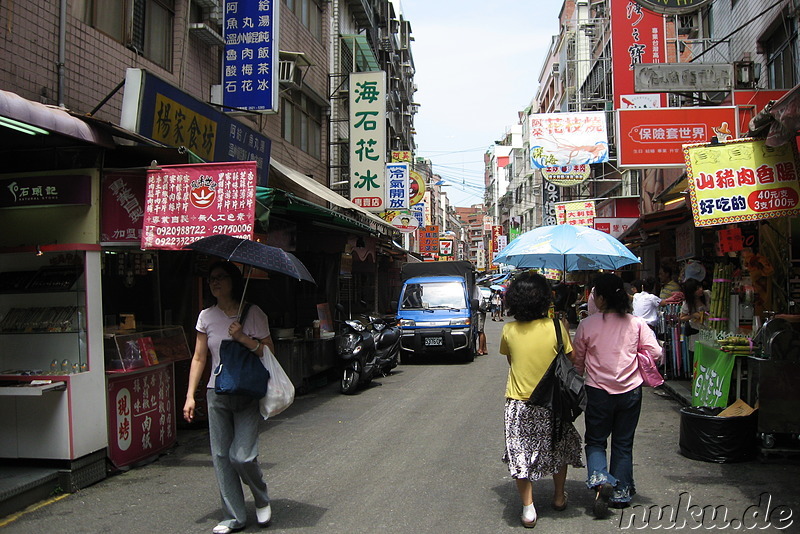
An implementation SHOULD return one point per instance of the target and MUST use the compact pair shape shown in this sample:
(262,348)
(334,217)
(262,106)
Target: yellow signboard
(177,125)
(741,180)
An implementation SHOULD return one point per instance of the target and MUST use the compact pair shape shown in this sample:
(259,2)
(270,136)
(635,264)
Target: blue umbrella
(567,248)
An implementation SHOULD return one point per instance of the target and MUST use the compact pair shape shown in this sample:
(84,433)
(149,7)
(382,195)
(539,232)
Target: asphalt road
(419,452)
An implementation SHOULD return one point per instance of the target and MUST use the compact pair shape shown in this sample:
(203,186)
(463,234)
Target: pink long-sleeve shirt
(604,350)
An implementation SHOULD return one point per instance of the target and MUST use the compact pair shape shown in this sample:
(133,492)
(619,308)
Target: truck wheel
(350,378)
(468,355)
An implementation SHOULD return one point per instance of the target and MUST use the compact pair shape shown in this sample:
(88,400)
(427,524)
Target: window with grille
(144,26)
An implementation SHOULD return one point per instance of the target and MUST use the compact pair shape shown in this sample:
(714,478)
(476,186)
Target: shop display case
(51,376)
(141,392)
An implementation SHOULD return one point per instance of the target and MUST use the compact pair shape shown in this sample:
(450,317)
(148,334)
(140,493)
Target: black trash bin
(706,437)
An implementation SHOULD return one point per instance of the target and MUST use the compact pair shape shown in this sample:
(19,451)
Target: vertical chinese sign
(186,202)
(122,207)
(742,181)
(429,241)
(551,195)
(397,186)
(637,37)
(250,76)
(141,415)
(368,140)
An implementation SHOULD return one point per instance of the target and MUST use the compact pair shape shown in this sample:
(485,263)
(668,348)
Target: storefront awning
(282,202)
(363,57)
(32,118)
(316,188)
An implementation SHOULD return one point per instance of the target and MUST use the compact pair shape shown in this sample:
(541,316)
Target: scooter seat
(387,337)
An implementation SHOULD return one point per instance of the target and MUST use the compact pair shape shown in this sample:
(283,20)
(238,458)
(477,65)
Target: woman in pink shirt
(604,349)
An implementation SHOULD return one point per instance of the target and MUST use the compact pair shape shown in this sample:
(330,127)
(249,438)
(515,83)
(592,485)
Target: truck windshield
(434,295)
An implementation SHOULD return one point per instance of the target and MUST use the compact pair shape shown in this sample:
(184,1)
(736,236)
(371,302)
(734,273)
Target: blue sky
(477,65)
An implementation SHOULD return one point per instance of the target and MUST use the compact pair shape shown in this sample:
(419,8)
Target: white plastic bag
(280,390)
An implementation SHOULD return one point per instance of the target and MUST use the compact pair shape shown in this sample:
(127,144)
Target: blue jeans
(615,416)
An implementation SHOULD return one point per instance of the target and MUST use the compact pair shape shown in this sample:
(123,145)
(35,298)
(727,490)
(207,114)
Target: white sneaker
(264,515)
(529,516)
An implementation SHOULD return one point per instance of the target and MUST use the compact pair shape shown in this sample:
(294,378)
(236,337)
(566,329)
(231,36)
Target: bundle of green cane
(736,344)
(720,297)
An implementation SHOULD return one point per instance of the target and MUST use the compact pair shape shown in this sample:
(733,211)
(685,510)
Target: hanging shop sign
(494,243)
(403,220)
(685,242)
(615,226)
(160,111)
(567,176)
(581,213)
(418,210)
(46,190)
(368,140)
(429,240)
(250,62)
(563,139)
(186,202)
(400,156)
(638,37)
(683,77)
(551,195)
(742,180)
(416,187)
(122,208)
(649,138)
(446,248)
(673,7)
(397,186)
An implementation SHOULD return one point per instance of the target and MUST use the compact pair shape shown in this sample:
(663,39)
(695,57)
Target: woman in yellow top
(530,344)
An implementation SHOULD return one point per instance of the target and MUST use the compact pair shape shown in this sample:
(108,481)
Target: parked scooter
(369,346)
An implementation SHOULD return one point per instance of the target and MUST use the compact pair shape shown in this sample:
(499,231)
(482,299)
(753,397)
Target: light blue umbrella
(567,248)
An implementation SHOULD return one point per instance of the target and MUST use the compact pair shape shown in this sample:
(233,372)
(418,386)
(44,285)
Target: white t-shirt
(645,305)
(215,324)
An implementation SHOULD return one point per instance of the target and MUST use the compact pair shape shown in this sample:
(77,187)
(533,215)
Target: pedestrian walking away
(533,449)
(605,348)
(232,419)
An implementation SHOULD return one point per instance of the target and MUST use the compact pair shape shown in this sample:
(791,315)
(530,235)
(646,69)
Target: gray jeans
(233,429)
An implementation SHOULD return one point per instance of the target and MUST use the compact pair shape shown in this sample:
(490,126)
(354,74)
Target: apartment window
(780,47)
(144,26)
(301,123)
(309,13)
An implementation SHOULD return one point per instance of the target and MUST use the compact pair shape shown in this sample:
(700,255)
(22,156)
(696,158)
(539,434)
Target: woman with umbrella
(232,419)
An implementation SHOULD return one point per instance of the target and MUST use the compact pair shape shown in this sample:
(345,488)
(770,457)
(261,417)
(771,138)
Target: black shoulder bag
(561,389)
(240,371)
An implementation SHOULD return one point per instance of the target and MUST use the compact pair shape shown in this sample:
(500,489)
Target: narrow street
(419,453)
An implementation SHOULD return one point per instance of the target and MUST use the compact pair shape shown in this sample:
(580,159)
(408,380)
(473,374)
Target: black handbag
(240,371)
(561,390)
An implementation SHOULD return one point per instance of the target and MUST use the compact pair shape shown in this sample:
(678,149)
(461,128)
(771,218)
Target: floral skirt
(529,449)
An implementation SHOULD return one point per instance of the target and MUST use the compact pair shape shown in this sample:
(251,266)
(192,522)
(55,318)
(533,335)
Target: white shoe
(264,515)
(529,516)
(225,528)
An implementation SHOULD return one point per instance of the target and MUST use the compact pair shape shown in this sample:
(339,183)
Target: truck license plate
(434,342)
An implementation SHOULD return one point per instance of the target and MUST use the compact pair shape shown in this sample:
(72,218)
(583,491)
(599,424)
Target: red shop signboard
(184,203)
(141,414)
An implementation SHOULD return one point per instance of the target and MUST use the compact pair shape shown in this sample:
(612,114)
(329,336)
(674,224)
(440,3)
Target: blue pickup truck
(437,310)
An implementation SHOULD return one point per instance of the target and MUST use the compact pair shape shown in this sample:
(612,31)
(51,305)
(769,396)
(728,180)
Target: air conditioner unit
(288,73)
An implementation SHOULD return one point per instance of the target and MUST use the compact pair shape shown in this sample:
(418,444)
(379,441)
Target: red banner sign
(655,137)
(122,207)
(638,37)
(429,240)
(186,202)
